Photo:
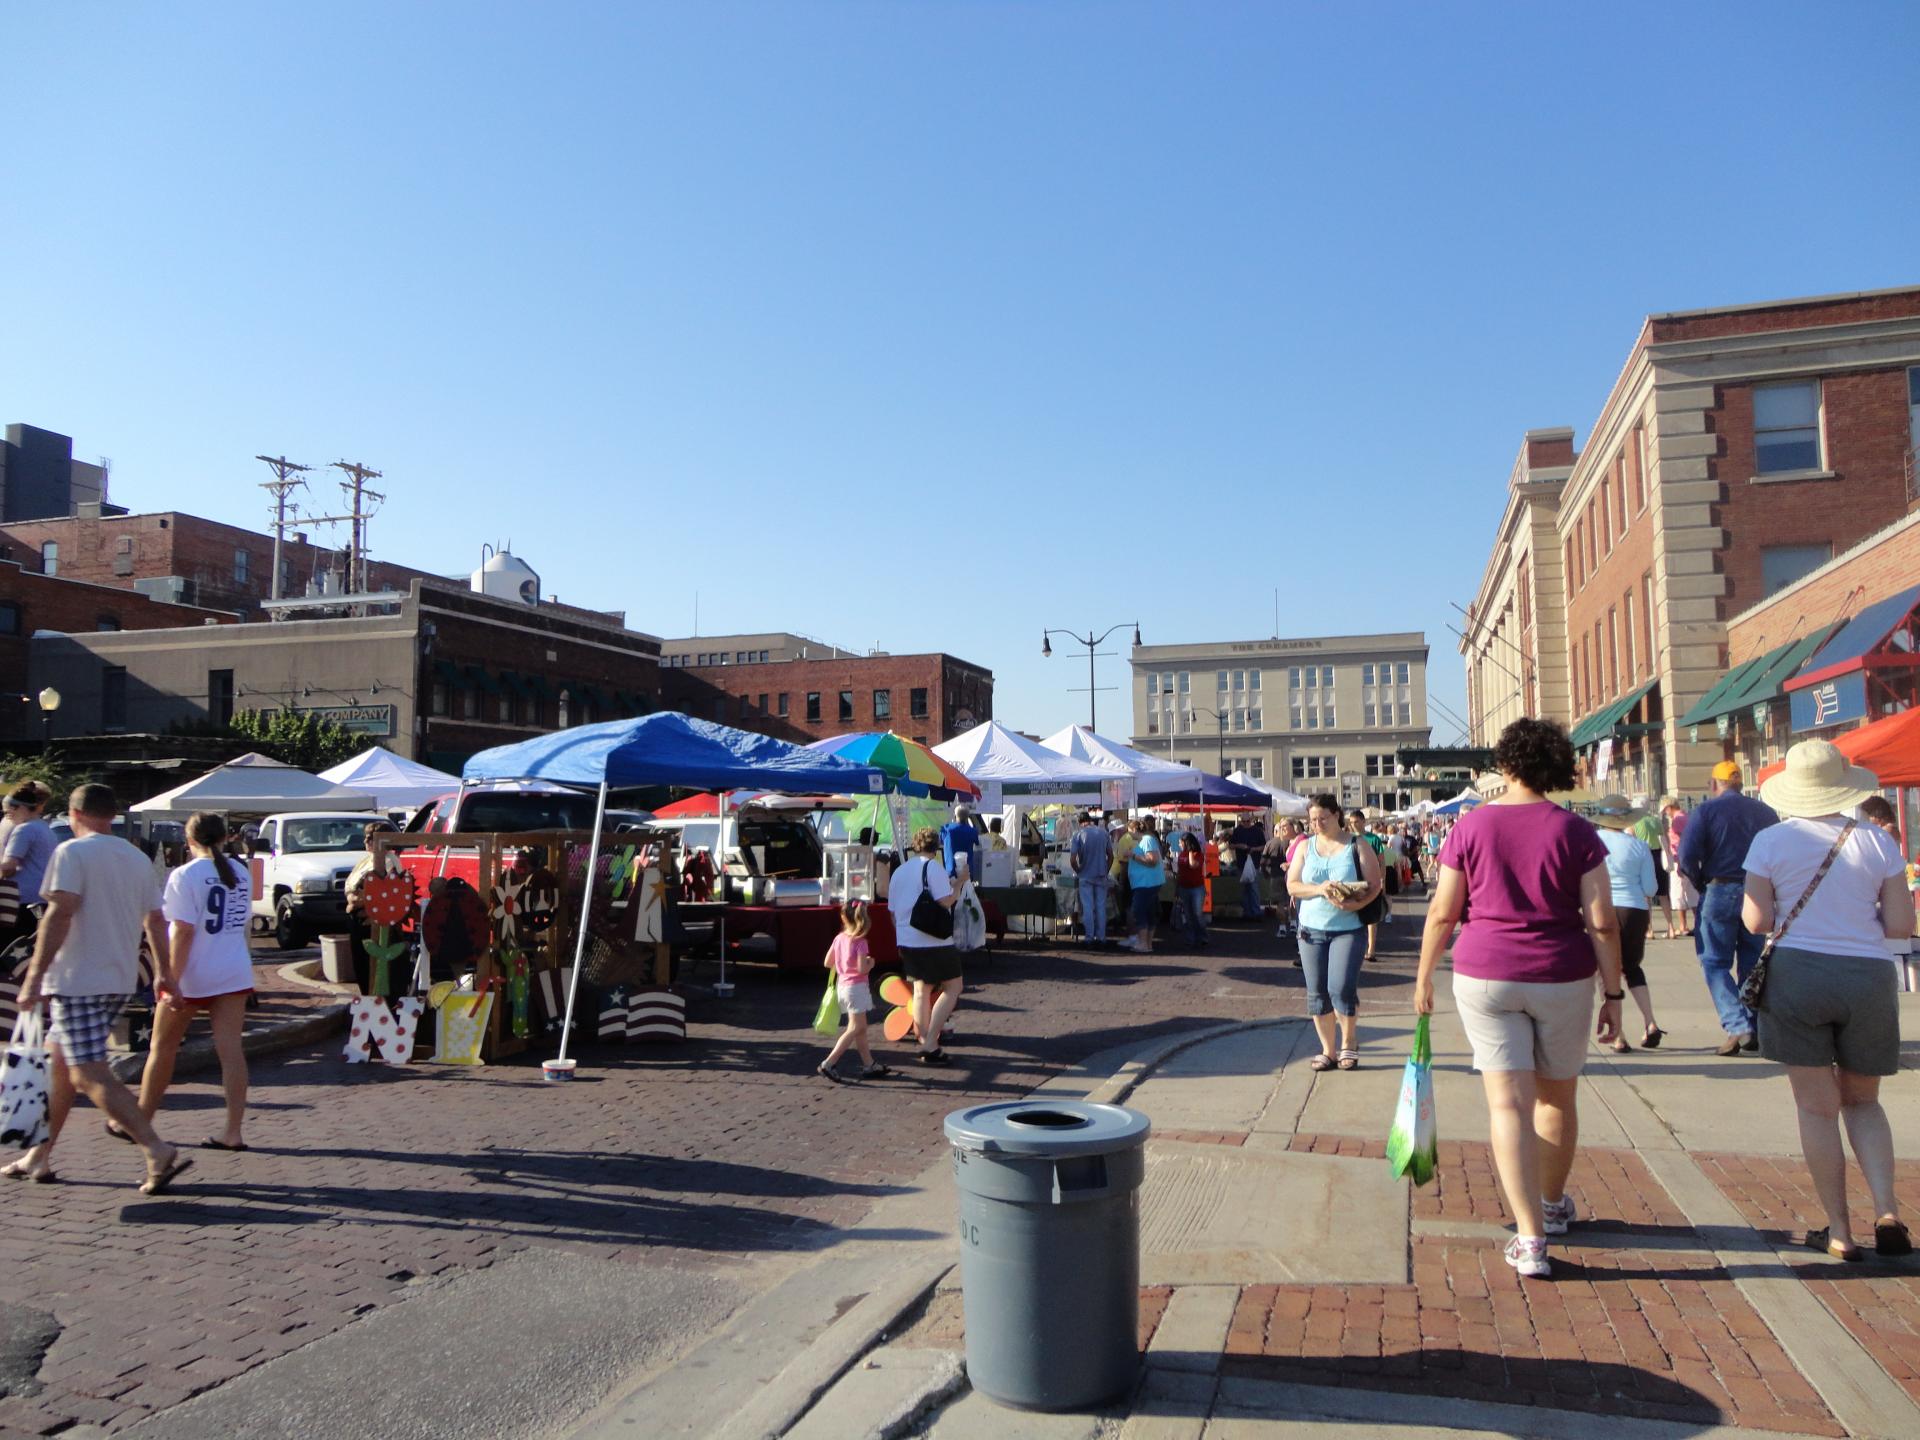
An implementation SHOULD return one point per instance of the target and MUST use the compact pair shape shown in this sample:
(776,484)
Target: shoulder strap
(1813,884)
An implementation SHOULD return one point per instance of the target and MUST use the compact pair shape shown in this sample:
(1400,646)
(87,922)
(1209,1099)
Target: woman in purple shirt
(1527,883)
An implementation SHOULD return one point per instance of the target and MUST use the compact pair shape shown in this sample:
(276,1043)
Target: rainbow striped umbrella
(910,767)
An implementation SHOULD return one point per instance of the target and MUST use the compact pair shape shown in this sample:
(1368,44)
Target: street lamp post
(1092,644)
(1203,710)
(49,702)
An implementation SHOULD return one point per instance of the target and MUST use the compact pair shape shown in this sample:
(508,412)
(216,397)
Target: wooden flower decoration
(389,898)
(506,905)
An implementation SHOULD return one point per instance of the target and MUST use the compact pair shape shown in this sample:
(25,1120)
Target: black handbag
(928,915)
(1375,910)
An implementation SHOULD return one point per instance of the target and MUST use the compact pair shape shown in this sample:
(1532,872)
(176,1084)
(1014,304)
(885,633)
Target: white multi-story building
(1311,715)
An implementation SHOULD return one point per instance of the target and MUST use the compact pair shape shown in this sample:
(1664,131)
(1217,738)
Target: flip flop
(157,1184)
(825,1074)
(878,1072)
(114,1132)
(212,1144)
(1651,1040)
(44,1177)
(1890,1237)
(1823,1241)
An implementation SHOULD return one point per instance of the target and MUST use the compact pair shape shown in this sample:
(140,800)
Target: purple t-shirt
(1522,865)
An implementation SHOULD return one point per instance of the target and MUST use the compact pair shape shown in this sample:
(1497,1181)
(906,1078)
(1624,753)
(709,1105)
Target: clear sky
(918,325)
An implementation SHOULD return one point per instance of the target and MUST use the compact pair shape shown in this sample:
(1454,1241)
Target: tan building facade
(1310,715)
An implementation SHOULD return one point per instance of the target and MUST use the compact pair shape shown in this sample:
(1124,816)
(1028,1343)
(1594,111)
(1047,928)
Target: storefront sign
(1603,759)
(1723,723)
(1352,788)
(1762,713)
(360,719)
(1693,734)
(1834,703)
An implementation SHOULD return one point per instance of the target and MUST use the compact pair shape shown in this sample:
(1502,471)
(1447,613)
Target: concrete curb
(200,1055)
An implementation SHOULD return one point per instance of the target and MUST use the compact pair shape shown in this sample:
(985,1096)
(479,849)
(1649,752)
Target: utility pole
(286,479)
(359,495)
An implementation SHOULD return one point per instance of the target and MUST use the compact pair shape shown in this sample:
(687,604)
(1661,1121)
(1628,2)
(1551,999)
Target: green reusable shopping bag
(1411,1145)
(826,1019)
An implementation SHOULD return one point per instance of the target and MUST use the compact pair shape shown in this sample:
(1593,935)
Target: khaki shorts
(1534,1025)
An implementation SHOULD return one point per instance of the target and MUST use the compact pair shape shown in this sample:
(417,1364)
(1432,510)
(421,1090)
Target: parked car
(300,865)
(771,858)
(500,811)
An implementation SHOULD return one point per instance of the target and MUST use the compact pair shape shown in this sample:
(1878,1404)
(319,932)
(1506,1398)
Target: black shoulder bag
(928,915)
(1375,910)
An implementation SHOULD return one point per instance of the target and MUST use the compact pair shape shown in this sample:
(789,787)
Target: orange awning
(1890,747)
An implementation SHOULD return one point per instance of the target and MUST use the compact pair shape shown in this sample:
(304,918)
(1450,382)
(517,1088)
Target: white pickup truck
(300,867)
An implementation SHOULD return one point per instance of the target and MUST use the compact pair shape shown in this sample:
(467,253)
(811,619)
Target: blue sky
(918,325)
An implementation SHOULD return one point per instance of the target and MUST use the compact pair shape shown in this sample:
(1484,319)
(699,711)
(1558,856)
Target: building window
(1626,631)
(503,710)
(1326,677)
(1253,720)
(1153,682)
(107,623)
(917,703)
(1220,682)
(1313,717)
(1913,408)
(1257,768)
(469,704)
(1781,565)
(1620,494)
(113,698)
(1293,719)
(1293,678)
(1327,715)
(1313,767)
(1186,676)
(1786,427)
(1593,540)
(813,707)
(783,703)
(846,705)
(1647,647)
(242,566)
(1613,651)
(50,558)
(1366,674)
(883,704)
(1403,673)
(1606,518)
(746,707)
(1406,713)
(1567,565)
(9,618)
(1367,715)
(220,696)
(565,710)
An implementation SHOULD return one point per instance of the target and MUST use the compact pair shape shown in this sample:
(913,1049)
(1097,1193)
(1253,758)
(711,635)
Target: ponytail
(210,830)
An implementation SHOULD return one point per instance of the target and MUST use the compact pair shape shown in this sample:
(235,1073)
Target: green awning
(1758,681)
(633,704)
(593,696)
(537,687)
(483,680)
(515,682)
(1599,725)
(449,673)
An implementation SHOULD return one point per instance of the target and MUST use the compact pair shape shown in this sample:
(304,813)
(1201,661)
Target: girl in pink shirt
(851,961)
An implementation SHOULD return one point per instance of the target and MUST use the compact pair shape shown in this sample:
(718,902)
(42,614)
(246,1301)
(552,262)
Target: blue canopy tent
(1460,803)
(666,748)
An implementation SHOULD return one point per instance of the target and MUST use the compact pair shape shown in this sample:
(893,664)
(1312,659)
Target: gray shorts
(1536,1025)
(1831,1010)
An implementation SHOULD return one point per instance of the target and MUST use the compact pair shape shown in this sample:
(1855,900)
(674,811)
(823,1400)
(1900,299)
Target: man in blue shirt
(960,838)
(1091,853)
(1713,855)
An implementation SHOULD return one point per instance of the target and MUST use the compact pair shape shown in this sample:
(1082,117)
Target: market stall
(255,784)
(394,782)
(1283,802)
(664,749)
(1890,748)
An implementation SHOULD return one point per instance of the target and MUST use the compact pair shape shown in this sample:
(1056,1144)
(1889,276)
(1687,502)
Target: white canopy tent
(396,783)
(1285,802)
(1152,777)
(255,785)
(1010,767)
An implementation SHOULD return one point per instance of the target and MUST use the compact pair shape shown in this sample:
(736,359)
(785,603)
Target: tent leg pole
(586,908)
(721,987)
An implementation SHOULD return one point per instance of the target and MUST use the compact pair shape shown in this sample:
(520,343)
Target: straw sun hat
(1818,781)
(1615,812)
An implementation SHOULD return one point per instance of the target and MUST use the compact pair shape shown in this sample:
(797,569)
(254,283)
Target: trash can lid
(1047,1128)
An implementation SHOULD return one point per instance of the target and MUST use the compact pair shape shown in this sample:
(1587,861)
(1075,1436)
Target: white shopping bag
(23,1090)
(969,920)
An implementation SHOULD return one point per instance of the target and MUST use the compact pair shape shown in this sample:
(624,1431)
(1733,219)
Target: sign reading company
(361,719)
(1832,702)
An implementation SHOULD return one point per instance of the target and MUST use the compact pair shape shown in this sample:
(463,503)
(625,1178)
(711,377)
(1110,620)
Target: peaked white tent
(1153,778)
(1009,767)
(255,785)
(1285,802)
(398,784)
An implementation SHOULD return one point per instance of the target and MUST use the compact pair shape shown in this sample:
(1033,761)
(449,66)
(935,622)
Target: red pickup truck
(514,811)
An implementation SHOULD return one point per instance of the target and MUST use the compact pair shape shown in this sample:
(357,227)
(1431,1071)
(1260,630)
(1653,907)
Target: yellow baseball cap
(1726,770)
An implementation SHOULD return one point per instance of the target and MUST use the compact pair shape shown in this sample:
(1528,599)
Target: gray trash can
(1050,1248)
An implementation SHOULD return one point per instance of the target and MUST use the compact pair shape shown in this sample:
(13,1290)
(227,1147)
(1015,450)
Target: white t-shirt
(904,892)
(218,961)
(117,892)
(1843,917)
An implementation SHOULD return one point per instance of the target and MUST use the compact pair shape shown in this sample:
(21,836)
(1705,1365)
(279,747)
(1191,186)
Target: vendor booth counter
(802,933)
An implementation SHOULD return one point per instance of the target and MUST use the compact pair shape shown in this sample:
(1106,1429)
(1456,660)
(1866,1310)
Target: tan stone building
(1318,714)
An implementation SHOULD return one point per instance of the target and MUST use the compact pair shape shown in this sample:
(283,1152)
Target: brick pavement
(726,1151)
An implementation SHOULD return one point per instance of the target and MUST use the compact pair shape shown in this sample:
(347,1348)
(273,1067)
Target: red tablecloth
(802,933)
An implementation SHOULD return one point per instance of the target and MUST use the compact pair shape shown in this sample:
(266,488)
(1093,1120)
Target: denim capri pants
(1330,960)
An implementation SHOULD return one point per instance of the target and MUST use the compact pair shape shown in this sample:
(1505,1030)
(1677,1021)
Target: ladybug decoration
(454,924)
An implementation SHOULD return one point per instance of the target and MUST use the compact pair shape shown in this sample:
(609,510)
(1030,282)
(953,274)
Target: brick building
(929,698)
(31,603)
(762,647)
(441,674)
(1741,449)
(184,558)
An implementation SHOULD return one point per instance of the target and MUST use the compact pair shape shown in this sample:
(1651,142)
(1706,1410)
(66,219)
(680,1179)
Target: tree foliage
(48,770)
(304,740)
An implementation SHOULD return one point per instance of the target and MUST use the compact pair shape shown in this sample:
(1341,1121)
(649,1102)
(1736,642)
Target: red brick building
(182,558)
(929,698)
(1741,449)
(31,603)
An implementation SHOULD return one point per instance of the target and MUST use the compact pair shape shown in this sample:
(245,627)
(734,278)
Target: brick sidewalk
(362,1178)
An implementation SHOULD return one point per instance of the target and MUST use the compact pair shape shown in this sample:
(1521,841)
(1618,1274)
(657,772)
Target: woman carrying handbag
(921,901)
(1826,992)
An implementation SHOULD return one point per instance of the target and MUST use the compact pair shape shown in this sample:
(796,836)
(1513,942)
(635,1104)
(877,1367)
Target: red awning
(1889,747)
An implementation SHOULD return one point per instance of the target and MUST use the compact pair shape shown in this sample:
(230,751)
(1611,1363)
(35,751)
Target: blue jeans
(1250,905)
(1190,911)
(1093,907)
(1330,960)
(1728,951)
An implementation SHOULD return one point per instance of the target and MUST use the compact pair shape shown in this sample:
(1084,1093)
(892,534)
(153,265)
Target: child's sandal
(826,1074)
(877,1072)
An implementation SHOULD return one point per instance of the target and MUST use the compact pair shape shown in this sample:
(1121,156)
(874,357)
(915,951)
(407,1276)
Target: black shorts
(932,964)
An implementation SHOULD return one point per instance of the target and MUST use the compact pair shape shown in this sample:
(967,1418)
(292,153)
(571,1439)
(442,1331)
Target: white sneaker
(1558,1215)
(1528,1255)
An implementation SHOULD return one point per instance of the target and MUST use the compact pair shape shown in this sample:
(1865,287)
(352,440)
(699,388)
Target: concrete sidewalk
(1291,1285)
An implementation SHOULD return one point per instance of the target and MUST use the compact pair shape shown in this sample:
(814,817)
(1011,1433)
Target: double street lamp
(1092,643)
(49,702)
